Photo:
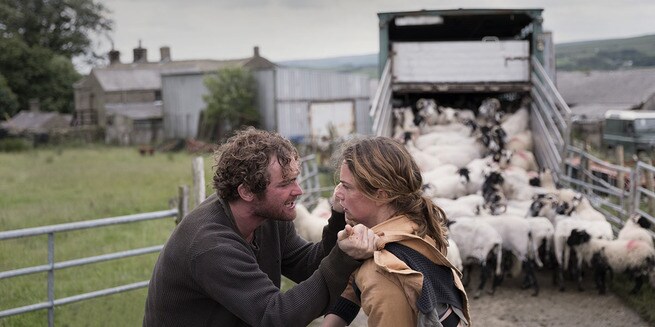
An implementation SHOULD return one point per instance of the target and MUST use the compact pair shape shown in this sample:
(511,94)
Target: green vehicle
(635,130)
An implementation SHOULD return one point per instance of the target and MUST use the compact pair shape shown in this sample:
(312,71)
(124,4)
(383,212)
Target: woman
(409,281)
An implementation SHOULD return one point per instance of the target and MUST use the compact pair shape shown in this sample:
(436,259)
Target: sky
(308,29)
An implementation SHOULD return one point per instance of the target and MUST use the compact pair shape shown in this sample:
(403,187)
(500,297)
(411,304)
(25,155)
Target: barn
(298,103)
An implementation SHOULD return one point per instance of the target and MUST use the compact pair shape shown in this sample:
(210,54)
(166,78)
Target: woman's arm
(332,320)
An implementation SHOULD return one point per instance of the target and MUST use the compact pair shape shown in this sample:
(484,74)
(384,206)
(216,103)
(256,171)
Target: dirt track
(511,306)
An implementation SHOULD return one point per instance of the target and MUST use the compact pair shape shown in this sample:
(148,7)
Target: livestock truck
(461,57)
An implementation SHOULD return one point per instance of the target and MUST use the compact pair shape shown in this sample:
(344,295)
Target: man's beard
(273,211)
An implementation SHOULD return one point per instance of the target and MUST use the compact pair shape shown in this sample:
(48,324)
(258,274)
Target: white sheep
(636,228)
(541,232)
(448,186)
(634,257)
(563,227)
(515,232)
(477,241)
(516,123)
(323,209)
(453,254)
(308,226)
(522,141)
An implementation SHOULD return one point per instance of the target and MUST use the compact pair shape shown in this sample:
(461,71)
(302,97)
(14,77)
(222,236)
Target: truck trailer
(461,57)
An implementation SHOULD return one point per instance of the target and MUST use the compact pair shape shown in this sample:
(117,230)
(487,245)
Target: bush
(14,145)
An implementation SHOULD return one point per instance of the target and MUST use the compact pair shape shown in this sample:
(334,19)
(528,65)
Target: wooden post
(182,203)
(198,181)
(620,178)
(650,185)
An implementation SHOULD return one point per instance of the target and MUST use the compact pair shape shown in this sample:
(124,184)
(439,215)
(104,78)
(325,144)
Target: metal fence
(617,191)
(52,265)
(309,180)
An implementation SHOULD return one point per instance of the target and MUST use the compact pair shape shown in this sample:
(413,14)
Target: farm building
(36,123)
(591,94)
(125,89)
(298,103)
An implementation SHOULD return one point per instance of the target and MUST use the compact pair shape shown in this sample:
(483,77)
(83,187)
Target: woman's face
(358,208)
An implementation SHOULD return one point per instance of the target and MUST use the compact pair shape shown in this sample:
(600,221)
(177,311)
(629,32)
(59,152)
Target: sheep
(323,209)
(488,109)
(434,138)
(541,232)
(637,258)
(544,205)
(465,206)
(515,232)
(477,241)
(429,113)
(522,141)
(518,158)
(453,254)
(516,123)
(424,161)
(308,226)
(636,228)
(580,207)
(404,123)
(448,186)
(563,227)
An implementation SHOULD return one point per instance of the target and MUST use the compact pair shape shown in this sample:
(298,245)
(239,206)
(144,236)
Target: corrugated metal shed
(284,96)
(593,93)
(296,89)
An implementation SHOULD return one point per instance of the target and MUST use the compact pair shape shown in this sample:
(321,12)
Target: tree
(36,72)
(231,100)
(38,39)
(66,27)
(8,100)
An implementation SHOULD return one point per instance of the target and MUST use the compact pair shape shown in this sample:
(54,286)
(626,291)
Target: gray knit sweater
(208,275)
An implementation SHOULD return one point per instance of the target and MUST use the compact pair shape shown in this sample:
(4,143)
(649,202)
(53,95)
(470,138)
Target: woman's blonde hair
(382,163)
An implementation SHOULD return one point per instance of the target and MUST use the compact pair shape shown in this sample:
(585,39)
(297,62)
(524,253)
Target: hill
(606,54)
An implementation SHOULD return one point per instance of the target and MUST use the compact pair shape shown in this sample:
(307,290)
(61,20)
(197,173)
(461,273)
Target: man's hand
(359,242)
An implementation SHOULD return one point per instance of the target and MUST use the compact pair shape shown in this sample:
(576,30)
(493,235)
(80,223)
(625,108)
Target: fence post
(621,162)
(182,203)
(51,279)
(650,186)
(198,181)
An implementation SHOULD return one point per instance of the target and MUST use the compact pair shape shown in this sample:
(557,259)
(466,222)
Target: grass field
(53,186)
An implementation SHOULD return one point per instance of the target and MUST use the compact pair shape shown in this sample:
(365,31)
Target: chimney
(34,105)
(140,54)
(114,57)
(165,53)
(256,50)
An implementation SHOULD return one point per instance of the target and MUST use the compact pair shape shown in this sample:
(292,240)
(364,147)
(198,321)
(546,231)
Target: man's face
(279,199)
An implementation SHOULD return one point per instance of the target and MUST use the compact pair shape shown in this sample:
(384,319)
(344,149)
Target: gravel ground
(511,306)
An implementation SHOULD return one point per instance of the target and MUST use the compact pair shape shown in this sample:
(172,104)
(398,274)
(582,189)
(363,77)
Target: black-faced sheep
(636,228)
(633,257)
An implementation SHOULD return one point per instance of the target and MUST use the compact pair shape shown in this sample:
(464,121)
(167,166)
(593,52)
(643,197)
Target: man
(222,265)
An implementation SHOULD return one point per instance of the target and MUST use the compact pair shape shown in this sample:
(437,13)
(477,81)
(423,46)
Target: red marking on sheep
(631,245)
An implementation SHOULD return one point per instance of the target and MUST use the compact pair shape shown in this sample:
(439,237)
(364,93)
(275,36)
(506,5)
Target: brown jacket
(389,287)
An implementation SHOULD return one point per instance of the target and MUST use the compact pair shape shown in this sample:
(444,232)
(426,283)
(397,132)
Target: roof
(136,111)
(591,94)
(623,88)
(147,75)
(36,121)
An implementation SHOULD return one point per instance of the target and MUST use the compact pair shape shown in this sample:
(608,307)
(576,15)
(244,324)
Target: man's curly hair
(244,159)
